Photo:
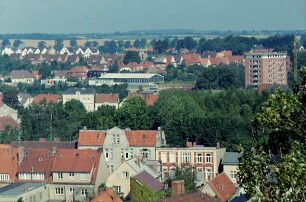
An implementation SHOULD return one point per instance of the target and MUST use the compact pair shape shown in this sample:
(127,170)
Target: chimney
(188,144)
(42,139)
(57,139)
(177,187)
(218,145)
(53,151)
(21,154)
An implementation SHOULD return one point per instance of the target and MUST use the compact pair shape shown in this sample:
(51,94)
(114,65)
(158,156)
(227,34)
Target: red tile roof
(142,138)
(222,186)
(151,99)
(190,197)
(36,161)
(109,195)
(50,98)
(9,162)
(107,98)
(191,59)
(91,137)
(7,121)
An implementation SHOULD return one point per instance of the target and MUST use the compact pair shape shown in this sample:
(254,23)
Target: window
(84,192)
(199,169)
(59,191)
(110,168)
(4,177)
(208,158)
(164,157)
(233,174)
(146,154)
(199,157)
(117,189)
(71,191)
(125,175)
(59,175)
(71,176)
(116,139)
(83,176)
(208,173)
(172,157)
(109,154)
(186,158)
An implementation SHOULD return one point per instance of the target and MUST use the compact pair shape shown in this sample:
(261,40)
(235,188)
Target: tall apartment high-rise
(265,68)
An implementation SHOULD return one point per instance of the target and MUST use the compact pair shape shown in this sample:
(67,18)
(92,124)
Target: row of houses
(85,52)
(123,159)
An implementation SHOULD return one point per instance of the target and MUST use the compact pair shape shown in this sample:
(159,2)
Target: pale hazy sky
(100,16)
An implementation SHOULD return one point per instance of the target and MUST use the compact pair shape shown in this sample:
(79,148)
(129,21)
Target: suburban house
(21,76)
(107,99)
(7,51)
(205,159)
(65,51)
(144,187)
(220,187)
(91,51)
(85,95)
(230,164)
(119,144)
(8,168)
(120,178)
(79,73)
(77,174)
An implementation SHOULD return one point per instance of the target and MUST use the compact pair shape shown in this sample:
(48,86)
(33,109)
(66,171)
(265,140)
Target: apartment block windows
(84,192)
(186,157)
(208,158)
(59,175)
(59,191)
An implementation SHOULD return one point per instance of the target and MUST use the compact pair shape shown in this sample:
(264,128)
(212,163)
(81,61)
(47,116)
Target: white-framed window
(59,175)
(208,173)
(146,153)
(83,176)
(173,157)
(233,174)
(84,192)
(117,189)
(71,176)
(71,191)
(199,158)
(208,158)
(163,157)
(110,168)
(5,177)
(38,176)
(186,157)
(125,175)
(199,169)
(109,154)
(59,191)
(24,176)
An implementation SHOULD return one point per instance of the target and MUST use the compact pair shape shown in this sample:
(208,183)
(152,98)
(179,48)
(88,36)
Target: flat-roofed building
(129,78)
(265,68)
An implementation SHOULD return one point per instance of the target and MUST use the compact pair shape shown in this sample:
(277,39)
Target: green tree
(41,45)
(17,43)
(131,56)
(8,135)
(73,43)
(134,114)
(189,43)
(59,44)
(10,97)
(6,42)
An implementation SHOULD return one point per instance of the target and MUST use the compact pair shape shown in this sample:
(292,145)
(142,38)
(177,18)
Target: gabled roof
(108,195)
(20,74)
(151,99)
(23,97)
(7,121)
(142,138)
(91,137)
(9,161)
(107,98)
(86,91)
(222,186)
(190,197)
(77,161)
(77,69)
(49,98)
(149,181)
